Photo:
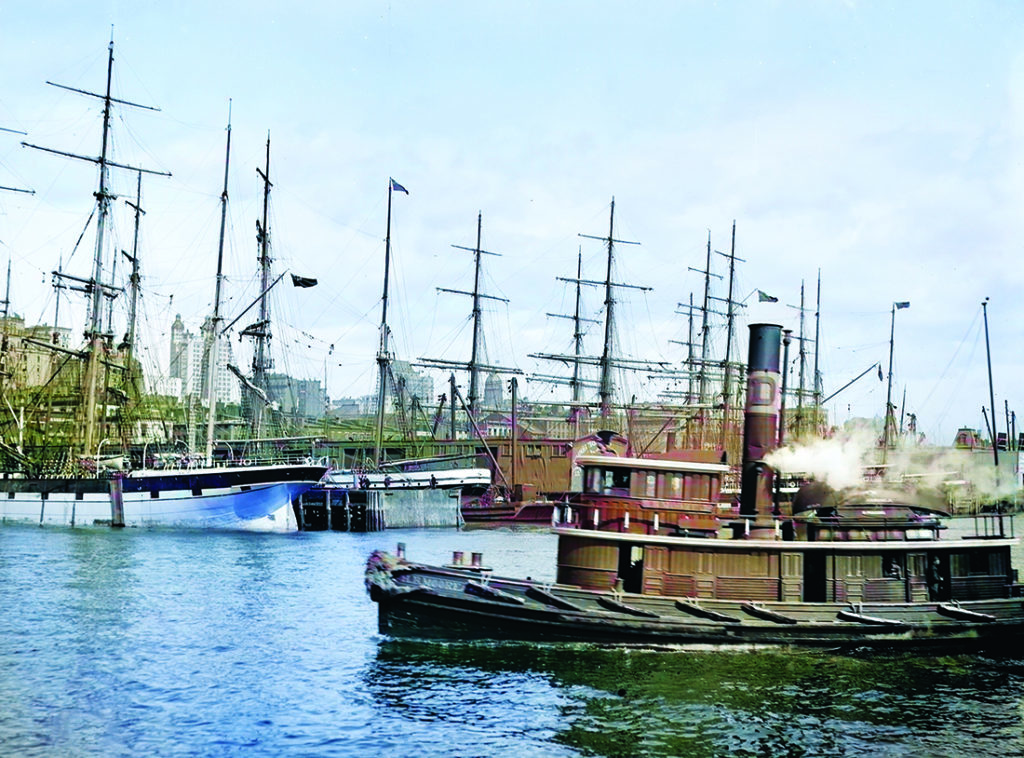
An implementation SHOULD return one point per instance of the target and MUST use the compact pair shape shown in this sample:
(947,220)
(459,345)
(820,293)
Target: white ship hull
(237,497)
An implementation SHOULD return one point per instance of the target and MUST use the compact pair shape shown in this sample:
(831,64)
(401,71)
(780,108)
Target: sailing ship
(530,461)
(200,495)
(536,456)
(425,491)
(649,554)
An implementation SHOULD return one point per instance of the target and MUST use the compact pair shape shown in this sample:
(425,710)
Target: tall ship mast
(730,419)
(85,492)
(262,362)
(383,353)
(577,382)
(213,334)
(256,399)
(609,360)
(714,420)
(134,279)
(475,364)
(97,342)
(704,329)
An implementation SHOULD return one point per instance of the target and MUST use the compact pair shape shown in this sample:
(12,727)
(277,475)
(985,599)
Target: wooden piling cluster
(339,510)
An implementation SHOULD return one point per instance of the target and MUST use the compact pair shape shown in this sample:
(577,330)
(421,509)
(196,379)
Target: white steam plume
(838,461)
(842,461)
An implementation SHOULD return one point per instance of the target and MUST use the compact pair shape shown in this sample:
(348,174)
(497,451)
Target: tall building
(297,397)
(25,361)
(188,364)
(227,387)
(194,367)
(416,384)
(494,392)
(179,349)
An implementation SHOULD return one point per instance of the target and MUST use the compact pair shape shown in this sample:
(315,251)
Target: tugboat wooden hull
(432,602)
(648,554)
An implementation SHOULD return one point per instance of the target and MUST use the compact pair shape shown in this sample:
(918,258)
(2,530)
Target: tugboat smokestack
(761,418)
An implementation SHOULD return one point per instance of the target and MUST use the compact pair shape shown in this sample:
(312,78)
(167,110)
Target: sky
(877,144)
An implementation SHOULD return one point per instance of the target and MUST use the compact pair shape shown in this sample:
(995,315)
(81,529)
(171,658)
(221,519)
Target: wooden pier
(344,509)
(339,510)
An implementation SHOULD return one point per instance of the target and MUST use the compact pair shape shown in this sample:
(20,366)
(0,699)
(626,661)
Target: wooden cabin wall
(791,579)
(588,563)
(861,577)
(709,574)
(980,574)
(759,575)
(747,576)
(917,577)
(542,466)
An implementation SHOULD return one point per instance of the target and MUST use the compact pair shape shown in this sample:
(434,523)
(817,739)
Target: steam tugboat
(648,555)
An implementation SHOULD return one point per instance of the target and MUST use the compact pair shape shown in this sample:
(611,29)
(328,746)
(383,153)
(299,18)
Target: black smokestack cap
(763,354)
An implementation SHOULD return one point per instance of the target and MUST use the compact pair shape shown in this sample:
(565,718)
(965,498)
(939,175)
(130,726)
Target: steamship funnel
(761,418)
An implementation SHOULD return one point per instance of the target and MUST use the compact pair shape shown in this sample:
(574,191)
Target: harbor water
(191,643)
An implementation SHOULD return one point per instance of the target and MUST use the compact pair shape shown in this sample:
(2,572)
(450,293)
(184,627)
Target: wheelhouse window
(607,481)
(648,481)
(616,482)
(675,486)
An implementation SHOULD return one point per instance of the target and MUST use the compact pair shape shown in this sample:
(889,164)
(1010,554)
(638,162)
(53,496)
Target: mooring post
(116,502)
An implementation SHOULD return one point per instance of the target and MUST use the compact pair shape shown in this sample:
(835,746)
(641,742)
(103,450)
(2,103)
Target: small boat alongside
(499,512)
(398,478)
(647,554)
(403,494)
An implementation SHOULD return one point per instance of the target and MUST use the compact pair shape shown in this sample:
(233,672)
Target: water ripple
(186,643)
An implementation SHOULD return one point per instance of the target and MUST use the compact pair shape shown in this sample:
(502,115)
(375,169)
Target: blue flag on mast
(398,187)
